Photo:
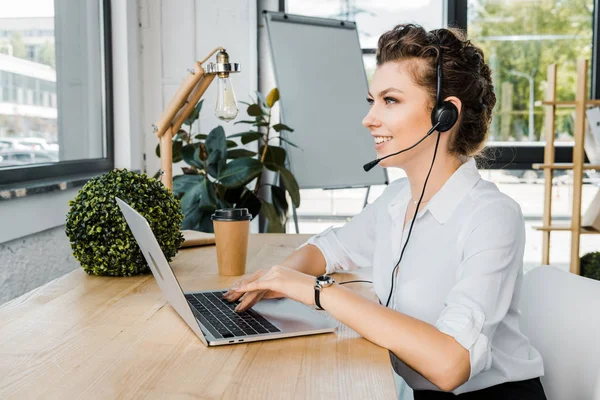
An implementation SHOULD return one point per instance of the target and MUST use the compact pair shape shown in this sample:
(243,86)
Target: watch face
(325,279)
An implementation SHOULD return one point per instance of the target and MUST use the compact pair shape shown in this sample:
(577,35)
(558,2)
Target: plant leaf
(190,208)
(248,137)
(275,155)
(216,146)
(181,136)
(230,144)
(191,155)
(279,200)
(241,134)
(251,138)
(272,97)
(215,163)
(288,142)
(239,153)
(254,110)
(233,195)
(205,223)
(208,197)
(176,151)
(245,122)
(272,167)
(194,114)
(274,222)
(184,183)
(282,127)
(251,202)
(201,136)
(177,146)
(240,172)
(291,185)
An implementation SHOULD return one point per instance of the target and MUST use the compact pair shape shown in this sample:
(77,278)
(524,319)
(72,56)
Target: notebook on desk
(209,315)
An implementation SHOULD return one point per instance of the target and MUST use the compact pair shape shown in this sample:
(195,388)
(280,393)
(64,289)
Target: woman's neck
(442,170)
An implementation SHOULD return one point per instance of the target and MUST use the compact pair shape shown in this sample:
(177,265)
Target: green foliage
(100,238)
(590,265)
(219,172)
(565,35)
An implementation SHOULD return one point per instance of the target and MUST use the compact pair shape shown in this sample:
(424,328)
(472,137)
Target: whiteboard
(323,87)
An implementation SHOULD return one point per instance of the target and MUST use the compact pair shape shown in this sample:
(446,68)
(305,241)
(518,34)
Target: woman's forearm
(307,259)
(435,355)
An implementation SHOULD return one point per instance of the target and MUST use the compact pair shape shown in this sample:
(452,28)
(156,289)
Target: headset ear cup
(446,114)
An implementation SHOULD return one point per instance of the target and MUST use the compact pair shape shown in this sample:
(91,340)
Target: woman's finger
(249,302)
(242,281)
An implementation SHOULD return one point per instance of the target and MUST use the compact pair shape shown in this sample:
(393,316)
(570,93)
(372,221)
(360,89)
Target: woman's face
(399,114)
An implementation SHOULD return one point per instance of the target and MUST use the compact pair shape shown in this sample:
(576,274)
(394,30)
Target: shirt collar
(443,203)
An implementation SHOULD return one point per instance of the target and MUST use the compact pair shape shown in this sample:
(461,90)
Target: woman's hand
(248,300)
(278,281)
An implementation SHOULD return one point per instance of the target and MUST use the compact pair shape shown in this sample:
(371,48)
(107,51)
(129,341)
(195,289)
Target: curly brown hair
(465,75)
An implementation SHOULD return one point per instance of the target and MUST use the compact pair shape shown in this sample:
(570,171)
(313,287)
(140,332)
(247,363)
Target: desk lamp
(185,99)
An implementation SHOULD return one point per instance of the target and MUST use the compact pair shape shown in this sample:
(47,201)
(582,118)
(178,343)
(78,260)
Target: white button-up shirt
(461,270)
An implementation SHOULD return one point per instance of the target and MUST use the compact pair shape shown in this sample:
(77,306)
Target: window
(55,89)
(520,39)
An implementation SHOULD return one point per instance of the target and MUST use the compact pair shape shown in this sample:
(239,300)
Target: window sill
(44,186)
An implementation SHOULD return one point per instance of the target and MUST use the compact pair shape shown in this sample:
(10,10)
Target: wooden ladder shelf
(578,165)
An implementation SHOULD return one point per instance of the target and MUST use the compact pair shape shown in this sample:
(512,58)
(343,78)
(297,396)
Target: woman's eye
(370,101)
(389,98)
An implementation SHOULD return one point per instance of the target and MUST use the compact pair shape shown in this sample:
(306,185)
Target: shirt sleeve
(493,250)
(352,245)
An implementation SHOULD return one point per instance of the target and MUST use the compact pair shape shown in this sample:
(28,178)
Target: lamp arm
(194,98)
(166,149)
(179,109)
(179,99)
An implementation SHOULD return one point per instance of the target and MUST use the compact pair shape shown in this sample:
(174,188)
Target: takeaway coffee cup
(232,226)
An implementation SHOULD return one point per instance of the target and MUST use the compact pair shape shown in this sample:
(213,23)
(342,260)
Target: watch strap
(317,296)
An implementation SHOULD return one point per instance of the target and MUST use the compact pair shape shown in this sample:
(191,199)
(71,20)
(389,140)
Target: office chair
(560,314)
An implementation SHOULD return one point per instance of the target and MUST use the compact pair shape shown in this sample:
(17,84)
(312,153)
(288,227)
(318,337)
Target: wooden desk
(101,337)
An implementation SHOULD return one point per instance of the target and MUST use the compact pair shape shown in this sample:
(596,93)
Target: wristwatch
(322,281)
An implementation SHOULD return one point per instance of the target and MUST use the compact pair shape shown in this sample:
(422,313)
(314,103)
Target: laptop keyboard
(218,316)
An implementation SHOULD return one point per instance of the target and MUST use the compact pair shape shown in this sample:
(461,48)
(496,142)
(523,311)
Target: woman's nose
(370,120)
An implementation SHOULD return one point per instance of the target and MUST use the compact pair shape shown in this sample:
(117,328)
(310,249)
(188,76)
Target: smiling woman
(447,308)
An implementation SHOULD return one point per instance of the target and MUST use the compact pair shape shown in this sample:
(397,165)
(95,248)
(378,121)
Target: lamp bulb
(226,108)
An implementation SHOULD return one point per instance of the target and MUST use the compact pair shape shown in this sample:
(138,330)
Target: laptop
(209,315)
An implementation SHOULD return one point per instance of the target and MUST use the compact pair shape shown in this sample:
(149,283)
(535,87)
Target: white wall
(127,85)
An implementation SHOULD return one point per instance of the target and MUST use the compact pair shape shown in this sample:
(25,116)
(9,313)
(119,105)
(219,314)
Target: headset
(443,117)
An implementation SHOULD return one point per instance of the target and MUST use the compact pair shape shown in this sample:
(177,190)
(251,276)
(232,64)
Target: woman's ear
(456,101)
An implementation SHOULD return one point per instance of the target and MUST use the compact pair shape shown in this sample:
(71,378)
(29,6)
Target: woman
(452,325)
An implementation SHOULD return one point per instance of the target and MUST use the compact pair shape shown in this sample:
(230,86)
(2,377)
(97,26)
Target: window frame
(524,156)
(62,170)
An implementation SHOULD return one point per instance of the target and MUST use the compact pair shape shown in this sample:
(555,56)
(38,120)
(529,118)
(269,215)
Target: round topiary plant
(589,265)
(100,238)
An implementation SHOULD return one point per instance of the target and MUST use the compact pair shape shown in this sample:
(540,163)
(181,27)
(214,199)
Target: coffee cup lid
(231,214)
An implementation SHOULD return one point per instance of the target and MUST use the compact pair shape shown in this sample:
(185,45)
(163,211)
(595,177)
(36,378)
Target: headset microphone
(369,166)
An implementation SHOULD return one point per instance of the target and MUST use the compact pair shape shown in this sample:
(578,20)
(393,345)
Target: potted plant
(98,233)
(590,265)
(219,172)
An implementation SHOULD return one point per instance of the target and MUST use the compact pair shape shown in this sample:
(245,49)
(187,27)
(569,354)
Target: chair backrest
(560,314)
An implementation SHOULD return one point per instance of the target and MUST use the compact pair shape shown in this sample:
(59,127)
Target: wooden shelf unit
(578,165)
